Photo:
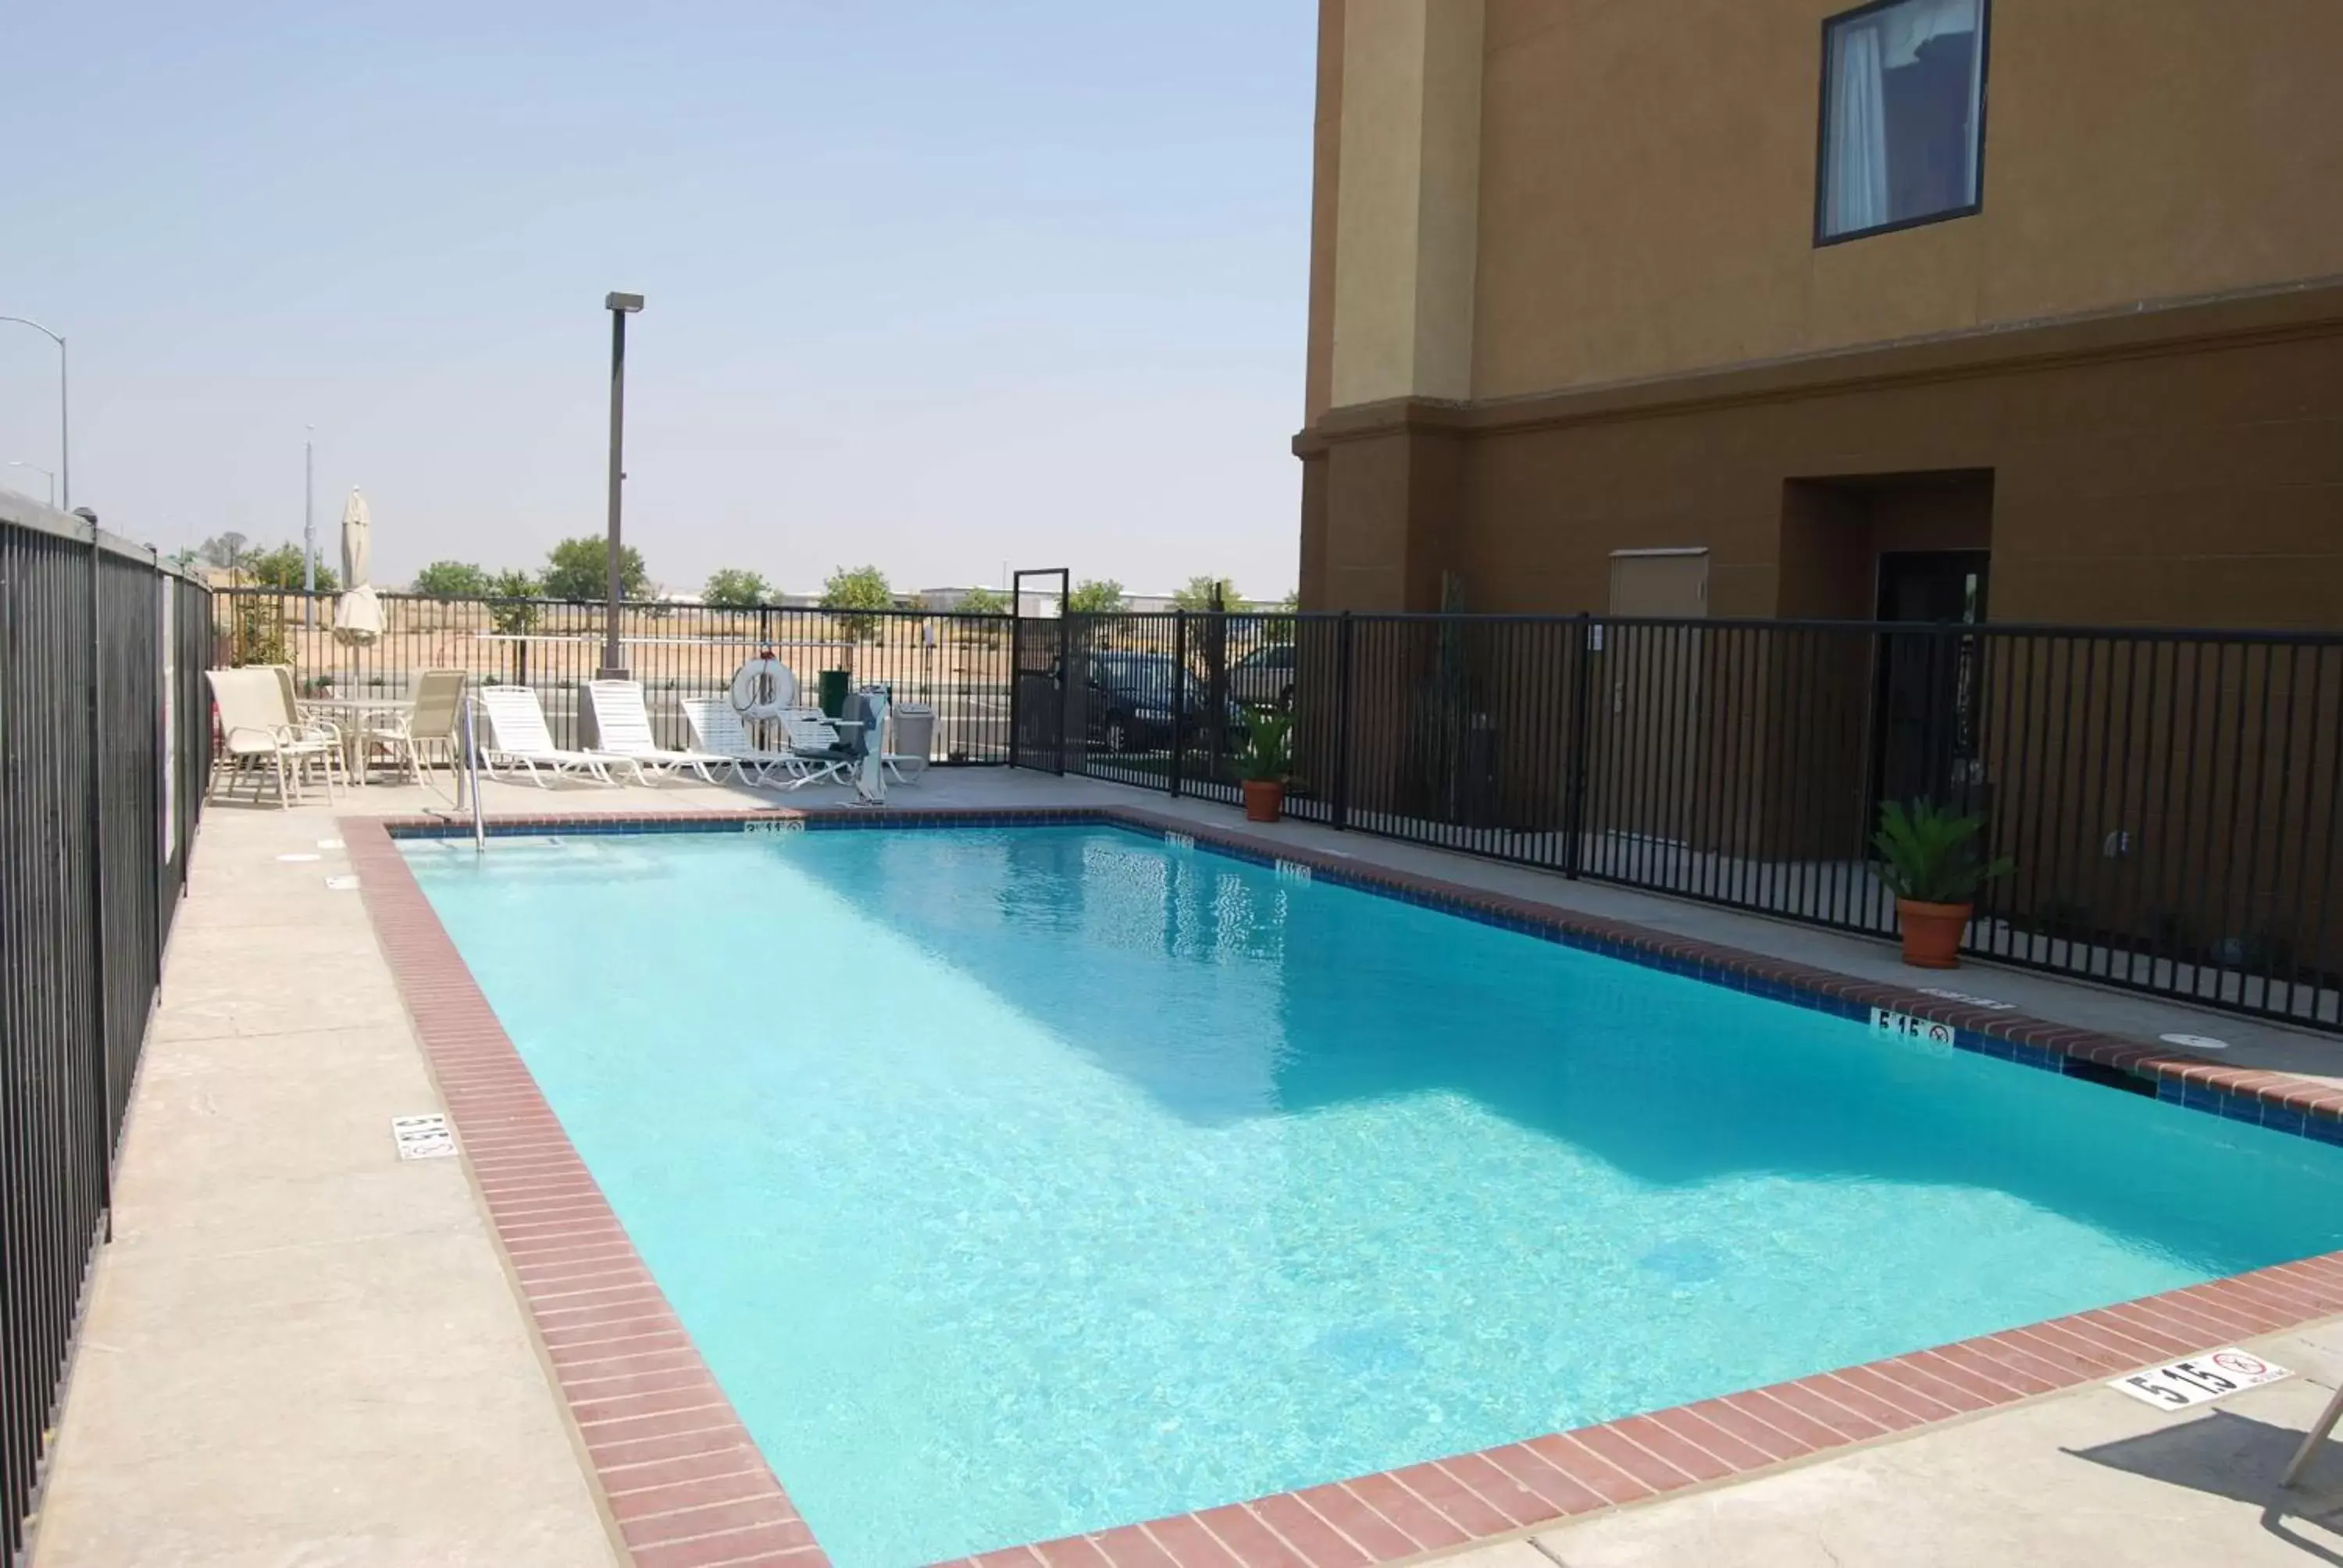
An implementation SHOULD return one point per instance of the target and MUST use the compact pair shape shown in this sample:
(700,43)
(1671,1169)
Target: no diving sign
(2176,1385)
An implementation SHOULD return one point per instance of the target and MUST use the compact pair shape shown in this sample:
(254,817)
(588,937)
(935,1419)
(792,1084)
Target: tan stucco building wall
(2132,352)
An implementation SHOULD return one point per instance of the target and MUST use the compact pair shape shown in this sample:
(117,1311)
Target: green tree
(857,588)
(513,610)
(1207,593)
(734,589)
(1100,595)
(984,601)
(578,570)
(281,568)
(228,554)
(452,579)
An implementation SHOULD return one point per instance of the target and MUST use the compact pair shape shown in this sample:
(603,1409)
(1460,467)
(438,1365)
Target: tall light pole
(48,474)
(620,306)
(309,527)
(65,434)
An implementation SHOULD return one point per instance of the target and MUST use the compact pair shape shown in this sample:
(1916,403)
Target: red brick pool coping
(686,1487)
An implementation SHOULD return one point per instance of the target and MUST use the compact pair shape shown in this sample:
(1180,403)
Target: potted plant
(1263,763)
(1928,858)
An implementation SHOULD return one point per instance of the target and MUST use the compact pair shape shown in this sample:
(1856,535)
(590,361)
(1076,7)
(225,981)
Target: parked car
(1132,698)
(1264,677)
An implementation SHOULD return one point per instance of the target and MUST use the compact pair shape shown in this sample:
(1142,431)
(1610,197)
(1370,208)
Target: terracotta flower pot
(1932,933)
(1265,799)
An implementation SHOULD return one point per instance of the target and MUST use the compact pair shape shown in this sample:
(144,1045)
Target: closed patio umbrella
(357,617)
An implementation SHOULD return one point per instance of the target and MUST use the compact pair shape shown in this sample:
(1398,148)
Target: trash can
(833,693)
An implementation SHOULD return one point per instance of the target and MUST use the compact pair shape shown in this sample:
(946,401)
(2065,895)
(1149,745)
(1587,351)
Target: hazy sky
(935,284)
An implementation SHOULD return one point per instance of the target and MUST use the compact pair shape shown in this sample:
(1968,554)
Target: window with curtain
(1903,115)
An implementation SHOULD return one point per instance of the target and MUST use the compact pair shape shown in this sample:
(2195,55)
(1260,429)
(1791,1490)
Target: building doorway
(1930,678)
(1654,677)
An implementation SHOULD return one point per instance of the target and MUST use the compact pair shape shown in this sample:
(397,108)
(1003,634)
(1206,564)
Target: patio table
(353,716)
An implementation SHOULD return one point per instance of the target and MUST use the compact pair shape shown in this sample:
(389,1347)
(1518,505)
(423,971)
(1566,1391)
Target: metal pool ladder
(469,780)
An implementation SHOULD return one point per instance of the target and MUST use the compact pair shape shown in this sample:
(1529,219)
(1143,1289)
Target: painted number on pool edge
(782,825)
(2176,1385)
(1903,1026)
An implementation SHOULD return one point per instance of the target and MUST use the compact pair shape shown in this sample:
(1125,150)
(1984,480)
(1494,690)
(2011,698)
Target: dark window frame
(1821,130)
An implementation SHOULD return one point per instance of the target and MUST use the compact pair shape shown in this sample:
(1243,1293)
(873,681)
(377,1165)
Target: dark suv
(1132,698)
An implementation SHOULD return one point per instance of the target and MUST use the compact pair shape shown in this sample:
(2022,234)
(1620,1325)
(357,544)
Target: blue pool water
(1022,1181)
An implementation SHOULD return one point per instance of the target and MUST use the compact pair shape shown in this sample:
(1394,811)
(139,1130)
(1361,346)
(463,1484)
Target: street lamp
(309,527)
(65,438)
(46,473)
(620,306)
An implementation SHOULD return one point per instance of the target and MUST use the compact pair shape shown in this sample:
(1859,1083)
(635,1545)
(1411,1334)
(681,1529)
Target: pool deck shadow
(2008,1450)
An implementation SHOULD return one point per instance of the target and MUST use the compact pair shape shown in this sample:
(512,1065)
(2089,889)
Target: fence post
(1574,814)
(1343,723)
(1179,695)
(1066,679)
(104,1043)
(164,809)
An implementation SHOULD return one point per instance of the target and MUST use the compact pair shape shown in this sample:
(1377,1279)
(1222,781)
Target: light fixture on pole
(64,433)
(309,527)
(620,306)
(47,473)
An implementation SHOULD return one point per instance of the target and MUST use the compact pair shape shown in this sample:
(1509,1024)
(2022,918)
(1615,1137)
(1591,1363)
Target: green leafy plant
(1205,594)
(281,568)
(857,588)
(257,632)
(1930,856)
(452,579)
(577,570)
(1102,596)
(1267,754)
(984,601)
(734,587)
(512,611)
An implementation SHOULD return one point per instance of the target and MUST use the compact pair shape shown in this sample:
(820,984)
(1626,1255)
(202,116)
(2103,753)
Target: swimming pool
(1019,1182)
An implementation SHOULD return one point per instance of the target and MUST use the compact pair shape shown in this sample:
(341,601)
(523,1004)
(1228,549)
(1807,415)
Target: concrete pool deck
(300,1349)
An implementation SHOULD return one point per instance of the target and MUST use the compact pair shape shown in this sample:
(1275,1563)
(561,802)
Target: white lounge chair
(519,741)
(257,726)
(716,728)
(622,725)
(814,741)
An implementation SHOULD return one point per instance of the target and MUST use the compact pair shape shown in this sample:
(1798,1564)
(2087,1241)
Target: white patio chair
(519,741)
(306,722)
(430,721)
(255,726)
(814,741)
(622,725)
(716,728)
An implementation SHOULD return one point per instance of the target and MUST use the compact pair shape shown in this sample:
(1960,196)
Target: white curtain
(1856,155)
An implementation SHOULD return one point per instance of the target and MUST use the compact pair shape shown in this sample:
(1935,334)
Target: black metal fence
(105,748)
(957,664)
(2171,799)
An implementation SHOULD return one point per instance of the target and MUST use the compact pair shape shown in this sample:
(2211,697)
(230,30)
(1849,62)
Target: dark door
(1929,678)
